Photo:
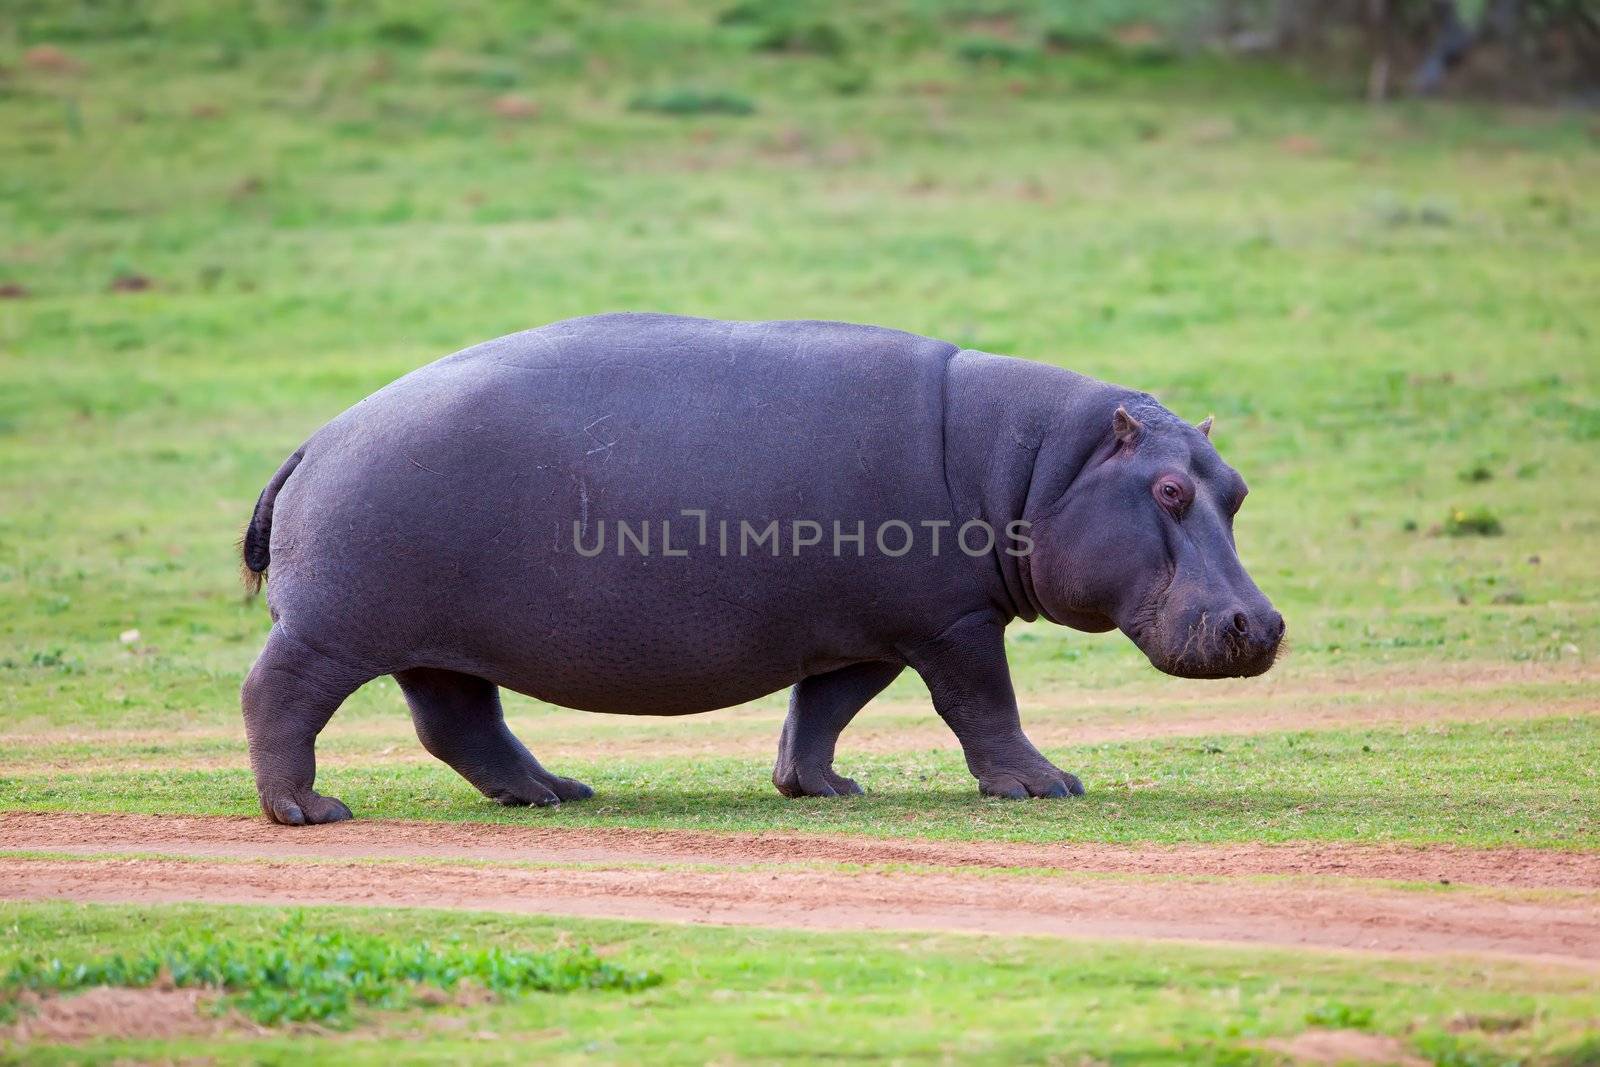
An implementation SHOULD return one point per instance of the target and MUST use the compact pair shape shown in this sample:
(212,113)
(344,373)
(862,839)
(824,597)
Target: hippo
(645,514)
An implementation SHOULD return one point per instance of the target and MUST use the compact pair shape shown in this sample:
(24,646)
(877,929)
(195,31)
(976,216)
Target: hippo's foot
(459,719)
(1041,779)
(794,780)
(287,699)
(820,707)
(304,808)
(537,788)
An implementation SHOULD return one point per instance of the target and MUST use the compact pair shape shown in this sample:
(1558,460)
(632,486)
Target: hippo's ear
(1125,426)
(1204,426)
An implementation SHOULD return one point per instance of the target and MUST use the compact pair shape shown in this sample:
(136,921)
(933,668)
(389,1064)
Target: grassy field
(770,996)
(221,226)
(1465,783)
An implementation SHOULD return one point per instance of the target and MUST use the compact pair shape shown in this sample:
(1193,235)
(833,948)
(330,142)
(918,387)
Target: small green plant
(402,32)
(849,79)
(786,27)
(1340,1016)
(1473,522)
(303,975)
(1075,39)
(990,51)
(693,102)
(812,38)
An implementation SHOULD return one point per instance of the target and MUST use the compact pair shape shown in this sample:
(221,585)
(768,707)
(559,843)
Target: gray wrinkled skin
(427,533)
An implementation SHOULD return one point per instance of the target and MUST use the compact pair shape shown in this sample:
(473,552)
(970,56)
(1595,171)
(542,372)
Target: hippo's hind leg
(459,719)
(288,697)
(820,708)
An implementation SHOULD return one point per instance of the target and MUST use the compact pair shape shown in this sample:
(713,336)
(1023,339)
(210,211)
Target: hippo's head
(1143,540)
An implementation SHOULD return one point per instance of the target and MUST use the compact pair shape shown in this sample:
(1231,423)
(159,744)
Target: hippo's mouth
(1204,650)
(1225,668)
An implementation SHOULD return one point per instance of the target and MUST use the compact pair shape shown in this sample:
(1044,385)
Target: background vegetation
(225,225)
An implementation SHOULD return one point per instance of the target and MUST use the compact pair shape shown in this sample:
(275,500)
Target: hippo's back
(437,523)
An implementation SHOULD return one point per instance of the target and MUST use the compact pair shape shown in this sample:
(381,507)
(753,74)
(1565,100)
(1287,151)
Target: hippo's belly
(660,637)
(645,688)
(450,519)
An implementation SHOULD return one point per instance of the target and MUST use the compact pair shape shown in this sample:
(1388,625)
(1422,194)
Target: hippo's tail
(255,546)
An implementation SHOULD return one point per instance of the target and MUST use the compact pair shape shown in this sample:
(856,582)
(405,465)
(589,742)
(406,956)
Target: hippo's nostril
(1277,626)
(1240,623)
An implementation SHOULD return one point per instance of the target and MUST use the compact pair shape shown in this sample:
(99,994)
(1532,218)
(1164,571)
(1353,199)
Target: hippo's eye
(1173,493)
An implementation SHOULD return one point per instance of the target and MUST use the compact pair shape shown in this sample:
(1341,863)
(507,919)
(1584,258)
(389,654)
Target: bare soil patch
(254,838)
(1345,1046)
(107,1012)
(1238,912)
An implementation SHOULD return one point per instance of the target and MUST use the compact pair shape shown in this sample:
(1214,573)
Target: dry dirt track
(253,838)
(1518,902)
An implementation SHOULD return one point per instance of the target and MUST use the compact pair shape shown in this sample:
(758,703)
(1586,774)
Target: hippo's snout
(1238,641)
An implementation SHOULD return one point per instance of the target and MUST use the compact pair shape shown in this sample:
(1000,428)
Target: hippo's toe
(529,794)
(570,788)
(1045,781)
(797,781)
(540,790)
(305,809)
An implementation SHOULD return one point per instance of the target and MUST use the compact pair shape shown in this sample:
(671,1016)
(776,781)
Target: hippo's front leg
(966,672)
(820,708)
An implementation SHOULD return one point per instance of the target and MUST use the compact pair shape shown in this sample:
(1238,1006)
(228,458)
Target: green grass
(742,995)
(692,102)
(1389,310)
(1525,783)
(294,974)
(1371,301)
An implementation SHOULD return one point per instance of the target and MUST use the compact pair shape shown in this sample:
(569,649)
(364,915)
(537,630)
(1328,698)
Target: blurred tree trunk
(1527,47)
(1379,29)
(1296,23)
(1451,43)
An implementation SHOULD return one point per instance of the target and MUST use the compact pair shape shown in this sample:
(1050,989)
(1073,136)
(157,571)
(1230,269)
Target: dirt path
(787,880)
(1241,912)
(252,838)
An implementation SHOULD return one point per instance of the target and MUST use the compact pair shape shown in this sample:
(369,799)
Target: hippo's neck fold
(1017,434)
